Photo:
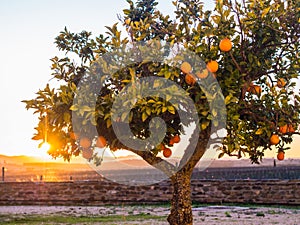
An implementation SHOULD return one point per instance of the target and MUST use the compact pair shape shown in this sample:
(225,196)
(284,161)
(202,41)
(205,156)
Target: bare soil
(202,215)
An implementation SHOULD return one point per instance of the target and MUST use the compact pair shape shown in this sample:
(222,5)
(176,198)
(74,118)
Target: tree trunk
(181,203)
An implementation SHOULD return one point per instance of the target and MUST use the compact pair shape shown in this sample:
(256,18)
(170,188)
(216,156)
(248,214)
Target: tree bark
(181,203)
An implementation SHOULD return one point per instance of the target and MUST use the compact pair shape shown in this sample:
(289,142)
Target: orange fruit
(162,147)
(85,142)
(87,153)
(203,74)
(283,129)
(250,87)
(281,83)
(254,89)
(212,66)
(186,67)
(74,136)
(167,152)
(190,79)
(171,142)
(257,89)
(176,139)
(290,128)
(101,142)
(274,139)
(280,156)
(225,45)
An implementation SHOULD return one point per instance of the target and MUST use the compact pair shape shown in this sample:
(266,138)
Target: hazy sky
(27,33)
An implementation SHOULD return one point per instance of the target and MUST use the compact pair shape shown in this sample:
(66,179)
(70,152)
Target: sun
(45,146)
(43,151)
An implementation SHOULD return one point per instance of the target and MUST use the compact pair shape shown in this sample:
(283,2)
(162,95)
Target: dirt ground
(202,215)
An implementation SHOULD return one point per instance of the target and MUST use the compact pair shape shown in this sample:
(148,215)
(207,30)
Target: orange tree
(250,47)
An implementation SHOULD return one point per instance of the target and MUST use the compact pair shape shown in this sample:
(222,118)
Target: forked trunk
(181,203)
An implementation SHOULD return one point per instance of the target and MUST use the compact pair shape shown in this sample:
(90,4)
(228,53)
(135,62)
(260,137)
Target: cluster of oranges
(275,139)
(287,128)
(256,89)
(167,152)
(85,143)
(212,66)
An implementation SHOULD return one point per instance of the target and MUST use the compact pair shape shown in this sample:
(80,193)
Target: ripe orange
(101,142)
(274,139)
(190,79)
(162,147)
(283,129)
(176,139)
(254,89)
(250,87)
(74,136)
(280,156)
(290,128)
(167,152)
(257,89)
(186,67)
(281,83)
(87,153)
(171,142)
(212,66)
(85,142)
(203,74)
(225,45)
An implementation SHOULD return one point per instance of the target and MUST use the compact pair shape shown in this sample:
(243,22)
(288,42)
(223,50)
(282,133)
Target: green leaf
(204,125)
(108,123)
(124,116)
(171,109)
(148,111)
(259,131)
(144,116)
(265,12)
(204,113)
(227,99)
(74,108)
(214,112)
(86,108)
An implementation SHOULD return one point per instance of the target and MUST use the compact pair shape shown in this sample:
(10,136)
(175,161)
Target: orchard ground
(147,214)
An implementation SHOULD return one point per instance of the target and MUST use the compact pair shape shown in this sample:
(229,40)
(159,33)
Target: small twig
(235,62)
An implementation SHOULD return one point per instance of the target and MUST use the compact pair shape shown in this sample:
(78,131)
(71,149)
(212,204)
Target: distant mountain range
(130,162)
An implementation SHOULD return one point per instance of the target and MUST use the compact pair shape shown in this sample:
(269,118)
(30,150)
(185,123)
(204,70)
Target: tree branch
(157,162)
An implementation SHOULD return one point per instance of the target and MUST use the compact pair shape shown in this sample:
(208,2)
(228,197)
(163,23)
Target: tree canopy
(248,48)
(265,51)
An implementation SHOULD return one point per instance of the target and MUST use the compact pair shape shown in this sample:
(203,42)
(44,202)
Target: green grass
(260,214)
(227,214)
(40,219)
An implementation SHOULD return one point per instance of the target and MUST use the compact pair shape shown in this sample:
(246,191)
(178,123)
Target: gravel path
(202,215)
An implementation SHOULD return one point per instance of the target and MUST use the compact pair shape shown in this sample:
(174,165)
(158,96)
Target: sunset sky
(27,33)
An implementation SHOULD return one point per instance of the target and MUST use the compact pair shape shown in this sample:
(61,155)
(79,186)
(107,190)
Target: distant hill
(18,160)
(134,163)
